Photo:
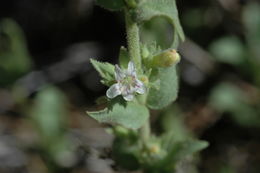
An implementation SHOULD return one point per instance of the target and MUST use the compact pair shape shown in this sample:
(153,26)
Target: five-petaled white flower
(127,83)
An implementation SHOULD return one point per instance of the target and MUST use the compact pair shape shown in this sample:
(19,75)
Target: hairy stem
(145,131)
(133,41)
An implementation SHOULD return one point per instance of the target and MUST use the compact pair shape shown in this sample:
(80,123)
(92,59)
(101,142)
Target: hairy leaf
(168,89)
(105,70)
(130,114)
(180,150)
(149,9)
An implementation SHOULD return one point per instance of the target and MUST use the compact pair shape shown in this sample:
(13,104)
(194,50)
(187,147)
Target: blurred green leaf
(226,97)
(228,50)
(125,153)
(193,18)
(105,70)
(49,112)
(176,151)
(251,20)
(14,55)
(168,89)
(173,123)
(49,118)
(128,114)
(181,150)
(111,4)
(229,98)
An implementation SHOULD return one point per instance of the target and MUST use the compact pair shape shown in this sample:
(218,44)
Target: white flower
(127,83)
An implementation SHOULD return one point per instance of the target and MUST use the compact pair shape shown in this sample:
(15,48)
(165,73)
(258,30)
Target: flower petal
(113,91)
(128,97)
(140,87)
(119,74)
(131,69)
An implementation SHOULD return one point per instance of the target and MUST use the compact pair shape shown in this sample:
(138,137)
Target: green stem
(133,40)
(145,132)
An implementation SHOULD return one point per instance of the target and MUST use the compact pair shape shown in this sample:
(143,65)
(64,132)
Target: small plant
(145,79)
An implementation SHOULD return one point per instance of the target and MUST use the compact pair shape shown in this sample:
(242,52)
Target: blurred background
(47,84)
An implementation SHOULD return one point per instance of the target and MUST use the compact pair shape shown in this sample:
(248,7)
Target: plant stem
(145,131)
(133,40)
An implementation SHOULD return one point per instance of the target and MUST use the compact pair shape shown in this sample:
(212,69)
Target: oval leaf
(149,9)
(130,115)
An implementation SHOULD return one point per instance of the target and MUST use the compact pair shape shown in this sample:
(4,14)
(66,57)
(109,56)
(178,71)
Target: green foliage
(49,117)
(252,22)
(14,56)
(126,146)
(49,112)
(229,98)
(229,50)
(111,4)
(177,151)
(147,10)
(128,114)
(105,70)
(172,122)
(252,25)
(168,89)
(157,29)
(159,154)
(132,150)
(182,149)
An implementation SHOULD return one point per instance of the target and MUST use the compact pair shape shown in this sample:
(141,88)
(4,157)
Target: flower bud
(131,3)
(145,52)
(144,79)
(166,59)
(154,149)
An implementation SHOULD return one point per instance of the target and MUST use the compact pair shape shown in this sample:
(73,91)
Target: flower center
(128,80)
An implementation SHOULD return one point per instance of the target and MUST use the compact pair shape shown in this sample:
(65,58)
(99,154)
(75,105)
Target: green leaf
(111,4)
(130,114)
(149,9)
(105,70)
(123,57)
(168,89)
(49,117)
(49,111)
(229,98)
(14,56)
(251,22)
(158,30)
(229,50)
(173,123)
(180,150)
